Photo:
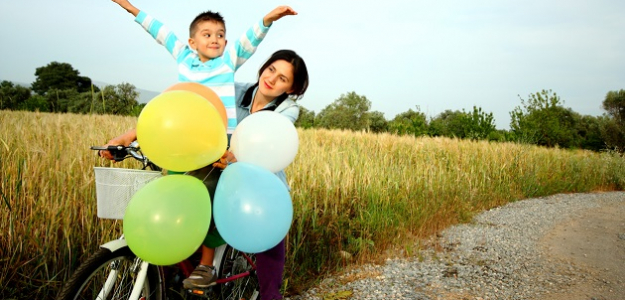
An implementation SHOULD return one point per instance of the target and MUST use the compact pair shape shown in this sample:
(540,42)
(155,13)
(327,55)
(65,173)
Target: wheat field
(354,193)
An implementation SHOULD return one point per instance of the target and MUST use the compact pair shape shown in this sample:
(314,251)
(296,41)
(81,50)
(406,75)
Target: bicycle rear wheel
(120,269)
(232,264)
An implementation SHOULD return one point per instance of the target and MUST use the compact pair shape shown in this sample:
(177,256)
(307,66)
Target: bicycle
(114,272)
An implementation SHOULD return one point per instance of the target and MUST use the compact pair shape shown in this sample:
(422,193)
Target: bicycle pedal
(204,293)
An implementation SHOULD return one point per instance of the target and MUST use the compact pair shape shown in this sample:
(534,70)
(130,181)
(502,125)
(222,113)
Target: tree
(448,123)
(306,118)
(614,104)
(613,125)
(589,131)
(478,124)
(409,122)
(377,122)
(36,103)
(136,110)
(544,121)
(612,134)
(82,104)
(117,100)
(461,124)
(60,76)
(13,96)
(350,111)
(60,101)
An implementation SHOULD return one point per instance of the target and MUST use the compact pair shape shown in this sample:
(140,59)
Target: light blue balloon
(252,208)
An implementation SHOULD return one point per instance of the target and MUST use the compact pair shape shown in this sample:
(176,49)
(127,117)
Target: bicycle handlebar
(121,152)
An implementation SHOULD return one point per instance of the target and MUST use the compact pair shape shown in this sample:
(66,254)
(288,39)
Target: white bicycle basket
(115,187)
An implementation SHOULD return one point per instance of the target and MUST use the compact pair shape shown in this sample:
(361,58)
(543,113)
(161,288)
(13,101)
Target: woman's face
(276,79)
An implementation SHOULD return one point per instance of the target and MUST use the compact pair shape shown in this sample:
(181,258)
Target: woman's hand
(225,160)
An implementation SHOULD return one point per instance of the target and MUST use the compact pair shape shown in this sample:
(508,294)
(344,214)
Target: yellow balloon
(181,131)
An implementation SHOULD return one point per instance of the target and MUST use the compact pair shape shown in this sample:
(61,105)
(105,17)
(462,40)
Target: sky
(399,54)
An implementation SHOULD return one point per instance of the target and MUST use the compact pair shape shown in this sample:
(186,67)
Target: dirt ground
(595,242)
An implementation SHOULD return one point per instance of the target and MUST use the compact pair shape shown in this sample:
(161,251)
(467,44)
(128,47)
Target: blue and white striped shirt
(217,73)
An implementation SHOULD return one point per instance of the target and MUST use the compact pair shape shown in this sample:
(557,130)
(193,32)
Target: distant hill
(144,95)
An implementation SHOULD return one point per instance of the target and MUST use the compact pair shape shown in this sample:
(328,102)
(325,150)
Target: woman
(281,80)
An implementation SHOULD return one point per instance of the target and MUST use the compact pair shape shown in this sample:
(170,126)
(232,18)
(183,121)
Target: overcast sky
(400,54)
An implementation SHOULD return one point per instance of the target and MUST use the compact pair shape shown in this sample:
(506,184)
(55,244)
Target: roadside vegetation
(355,193)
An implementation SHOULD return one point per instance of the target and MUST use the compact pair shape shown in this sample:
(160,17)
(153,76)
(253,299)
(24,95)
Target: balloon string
(209,172)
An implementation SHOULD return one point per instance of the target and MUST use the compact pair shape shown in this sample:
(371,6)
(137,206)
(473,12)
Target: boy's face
(209,40)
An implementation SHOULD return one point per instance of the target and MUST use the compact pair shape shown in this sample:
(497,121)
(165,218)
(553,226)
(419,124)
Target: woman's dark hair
(300,75)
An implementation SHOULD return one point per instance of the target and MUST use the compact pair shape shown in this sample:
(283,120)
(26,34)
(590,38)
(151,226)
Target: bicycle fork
(139,267)
(110,281)
(137,288)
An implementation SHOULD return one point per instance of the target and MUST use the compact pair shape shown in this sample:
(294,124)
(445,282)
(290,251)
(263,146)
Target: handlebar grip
(119,152)
(109,148)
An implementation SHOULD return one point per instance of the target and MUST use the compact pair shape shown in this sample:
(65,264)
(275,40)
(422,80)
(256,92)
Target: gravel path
(499,255)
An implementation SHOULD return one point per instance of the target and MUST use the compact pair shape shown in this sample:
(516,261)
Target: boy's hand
(127,6)
(276,14)
(113,142)
(124,139)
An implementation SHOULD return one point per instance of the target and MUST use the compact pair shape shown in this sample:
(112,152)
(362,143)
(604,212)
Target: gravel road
(565,246)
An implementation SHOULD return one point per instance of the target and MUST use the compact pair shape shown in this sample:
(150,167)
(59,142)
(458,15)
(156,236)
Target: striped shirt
(217,73)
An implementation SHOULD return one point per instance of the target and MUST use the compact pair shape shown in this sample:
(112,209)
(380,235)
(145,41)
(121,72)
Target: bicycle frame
(138,285)
(136,289)
(240,275)
(140,267)
(185,266)
(108,284)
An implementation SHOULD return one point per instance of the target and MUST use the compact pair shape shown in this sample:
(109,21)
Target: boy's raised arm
(245,46)
(277,14)
(157,30)
(160,33)
(127,6)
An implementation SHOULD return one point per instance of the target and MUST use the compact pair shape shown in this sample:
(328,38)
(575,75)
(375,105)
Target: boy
(206,60)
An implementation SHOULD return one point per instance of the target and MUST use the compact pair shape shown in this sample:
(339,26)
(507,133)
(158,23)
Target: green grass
(353,192)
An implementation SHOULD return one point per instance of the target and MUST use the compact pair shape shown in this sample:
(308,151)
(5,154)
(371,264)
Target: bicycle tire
(232,263)
(91,275)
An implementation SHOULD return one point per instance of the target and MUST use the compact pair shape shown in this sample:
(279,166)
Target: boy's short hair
(206,16)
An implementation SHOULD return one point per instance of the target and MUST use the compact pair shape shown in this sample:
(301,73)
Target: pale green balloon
(167,220)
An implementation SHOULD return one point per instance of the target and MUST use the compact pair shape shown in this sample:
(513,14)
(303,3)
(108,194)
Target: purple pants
(270,267)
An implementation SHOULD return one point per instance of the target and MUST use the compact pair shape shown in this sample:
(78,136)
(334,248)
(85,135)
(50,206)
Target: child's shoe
(202,277)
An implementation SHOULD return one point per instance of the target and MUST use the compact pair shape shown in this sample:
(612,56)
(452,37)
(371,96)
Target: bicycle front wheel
(111,275)
(233,263)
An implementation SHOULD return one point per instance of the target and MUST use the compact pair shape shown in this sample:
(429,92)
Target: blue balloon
(252,208)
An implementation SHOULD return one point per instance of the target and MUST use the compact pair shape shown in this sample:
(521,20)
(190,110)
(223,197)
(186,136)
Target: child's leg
(207,256)
(204,274)
(270,267)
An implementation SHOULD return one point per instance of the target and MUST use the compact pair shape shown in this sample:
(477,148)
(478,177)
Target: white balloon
(266,139)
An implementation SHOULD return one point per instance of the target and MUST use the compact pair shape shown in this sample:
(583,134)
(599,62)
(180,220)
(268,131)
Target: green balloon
(167,219)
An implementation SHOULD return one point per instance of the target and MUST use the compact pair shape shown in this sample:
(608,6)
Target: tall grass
(363,193)
(48,218)
(353,193)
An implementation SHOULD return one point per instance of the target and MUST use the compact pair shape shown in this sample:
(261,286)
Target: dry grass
(353,192)
(364,193)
